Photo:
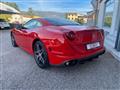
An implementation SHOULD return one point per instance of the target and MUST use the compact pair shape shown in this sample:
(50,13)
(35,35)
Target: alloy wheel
(40,55)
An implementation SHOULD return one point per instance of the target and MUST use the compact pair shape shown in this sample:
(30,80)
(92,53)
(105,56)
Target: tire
(40,55)
(14,44)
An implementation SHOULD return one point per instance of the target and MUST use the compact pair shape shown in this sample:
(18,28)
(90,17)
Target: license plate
(93,45)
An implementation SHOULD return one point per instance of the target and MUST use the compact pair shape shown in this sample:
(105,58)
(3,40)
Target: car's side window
(37,24)
(32,24)
(29,24)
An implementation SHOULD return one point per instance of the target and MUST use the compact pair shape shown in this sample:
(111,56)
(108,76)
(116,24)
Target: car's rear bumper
(60,59)
(93,56)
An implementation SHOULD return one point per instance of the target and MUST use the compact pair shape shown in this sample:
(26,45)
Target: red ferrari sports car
(55,41)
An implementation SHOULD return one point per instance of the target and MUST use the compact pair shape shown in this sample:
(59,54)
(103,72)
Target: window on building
(109,13)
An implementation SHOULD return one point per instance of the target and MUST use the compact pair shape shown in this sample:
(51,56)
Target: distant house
(72,16)
(16,18)
(83,19)
(20,19)
(76,17)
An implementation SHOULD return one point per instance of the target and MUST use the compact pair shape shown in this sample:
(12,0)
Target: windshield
(61,22)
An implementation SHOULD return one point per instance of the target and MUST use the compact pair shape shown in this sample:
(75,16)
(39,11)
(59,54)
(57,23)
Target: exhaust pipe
(71,63)
(67,63)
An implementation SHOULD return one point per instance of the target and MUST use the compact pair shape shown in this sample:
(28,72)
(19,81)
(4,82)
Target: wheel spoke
(38,47)
(39,54)
(42,59)
(39,51)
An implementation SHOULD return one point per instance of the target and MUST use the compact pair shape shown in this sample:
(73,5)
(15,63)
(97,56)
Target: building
(15,15)
(72,16)
(20,18)
(16,18)
(5,9)
(108,18)
(84,18)
(76,17)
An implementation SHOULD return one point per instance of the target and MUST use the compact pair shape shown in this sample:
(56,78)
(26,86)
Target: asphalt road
(18,71)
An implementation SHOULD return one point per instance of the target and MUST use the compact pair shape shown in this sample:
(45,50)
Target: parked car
(4,24)
(54,41)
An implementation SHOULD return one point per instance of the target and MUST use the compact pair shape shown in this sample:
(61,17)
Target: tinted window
(38,24)
(61,22)
(32,24)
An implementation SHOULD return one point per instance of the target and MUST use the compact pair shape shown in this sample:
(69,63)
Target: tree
(30,12)
(108,21)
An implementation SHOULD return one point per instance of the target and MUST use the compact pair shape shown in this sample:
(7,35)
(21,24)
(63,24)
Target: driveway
(20,72)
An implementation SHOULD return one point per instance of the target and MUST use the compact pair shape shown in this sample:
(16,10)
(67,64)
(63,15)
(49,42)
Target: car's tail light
(70,35)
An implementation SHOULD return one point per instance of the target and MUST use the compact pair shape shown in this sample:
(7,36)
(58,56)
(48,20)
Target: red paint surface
(59,48)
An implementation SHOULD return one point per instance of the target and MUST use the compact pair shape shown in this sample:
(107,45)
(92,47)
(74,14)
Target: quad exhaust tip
(70,63)
(67,63)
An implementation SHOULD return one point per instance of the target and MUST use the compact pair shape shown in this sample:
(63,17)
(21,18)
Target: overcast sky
(54,5)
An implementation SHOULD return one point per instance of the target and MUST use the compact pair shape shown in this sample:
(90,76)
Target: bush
(6,17)
(108,21)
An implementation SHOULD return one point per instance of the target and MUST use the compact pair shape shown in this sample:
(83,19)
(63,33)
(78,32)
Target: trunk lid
(88,36)
(84,34)
(83,37)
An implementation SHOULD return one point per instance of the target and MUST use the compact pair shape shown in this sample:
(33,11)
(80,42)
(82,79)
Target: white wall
(116,17)
(101,14)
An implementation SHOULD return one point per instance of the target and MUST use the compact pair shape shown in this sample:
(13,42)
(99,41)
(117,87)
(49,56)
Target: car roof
(43,21)
(45,18)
